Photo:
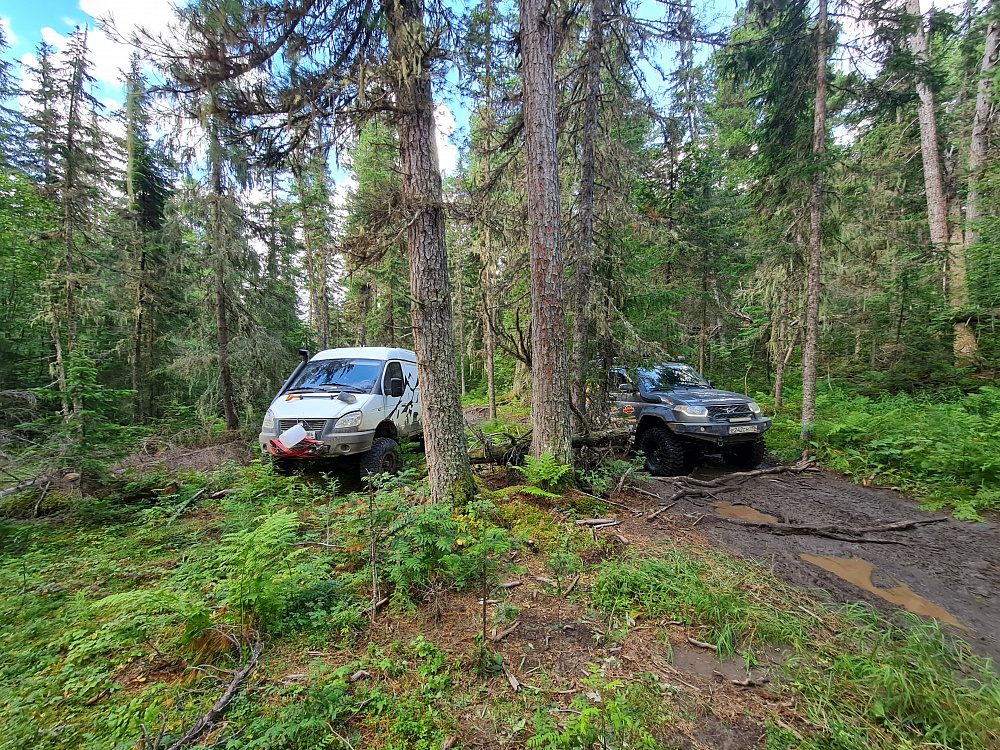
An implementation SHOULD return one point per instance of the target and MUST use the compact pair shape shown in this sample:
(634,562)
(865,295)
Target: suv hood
(317,407)
(705,396)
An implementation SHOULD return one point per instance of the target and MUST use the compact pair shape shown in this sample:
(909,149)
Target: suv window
(393,370)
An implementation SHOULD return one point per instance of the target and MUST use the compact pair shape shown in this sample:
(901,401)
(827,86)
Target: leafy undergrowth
(944,450)
(108,607)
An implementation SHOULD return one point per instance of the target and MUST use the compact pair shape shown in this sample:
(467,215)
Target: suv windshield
(666,377)
(333,374)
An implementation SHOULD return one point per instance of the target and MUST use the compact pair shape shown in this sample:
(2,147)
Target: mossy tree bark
(550,392)
(433,324)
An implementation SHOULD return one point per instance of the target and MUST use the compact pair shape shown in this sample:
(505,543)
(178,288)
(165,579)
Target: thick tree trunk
(433,329)
(780,359)
(810,351)
(937,200)
(460,296)
(364,307)
(489,342)
(69,198)
(218,251)
(585,246)
(550,392)
(981,123)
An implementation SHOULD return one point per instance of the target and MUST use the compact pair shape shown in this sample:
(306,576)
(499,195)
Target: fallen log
(594,521)
(840,533)
(208,719)
(22,486)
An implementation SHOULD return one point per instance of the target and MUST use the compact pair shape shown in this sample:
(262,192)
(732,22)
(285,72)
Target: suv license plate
(742,428)
(311,434)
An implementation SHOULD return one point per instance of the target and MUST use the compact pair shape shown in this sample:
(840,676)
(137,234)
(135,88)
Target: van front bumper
(337,443)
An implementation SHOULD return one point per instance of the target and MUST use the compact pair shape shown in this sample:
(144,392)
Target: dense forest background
(161,264)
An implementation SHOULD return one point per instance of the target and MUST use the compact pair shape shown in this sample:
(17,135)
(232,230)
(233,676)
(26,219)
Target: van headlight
(754,407)
(692,411)
(353,419)
(268,425)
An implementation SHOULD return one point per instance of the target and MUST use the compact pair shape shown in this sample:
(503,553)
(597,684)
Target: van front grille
(307,424)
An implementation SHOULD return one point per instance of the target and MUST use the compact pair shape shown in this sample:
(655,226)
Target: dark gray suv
(677,416)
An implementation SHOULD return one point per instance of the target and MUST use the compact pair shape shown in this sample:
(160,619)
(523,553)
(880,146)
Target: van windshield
(336,374)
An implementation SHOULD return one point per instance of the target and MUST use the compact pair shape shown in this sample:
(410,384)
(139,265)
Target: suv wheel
(665,454)
(745,456)
(383,458)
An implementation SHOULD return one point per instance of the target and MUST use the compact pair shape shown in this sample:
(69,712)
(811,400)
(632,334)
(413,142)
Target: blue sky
(28,22)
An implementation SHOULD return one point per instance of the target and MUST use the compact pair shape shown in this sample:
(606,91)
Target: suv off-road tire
(383,458)
(665,454)
(745,456)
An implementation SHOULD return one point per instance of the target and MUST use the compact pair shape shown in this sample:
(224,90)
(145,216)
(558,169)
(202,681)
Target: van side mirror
(626,388)
(395,387)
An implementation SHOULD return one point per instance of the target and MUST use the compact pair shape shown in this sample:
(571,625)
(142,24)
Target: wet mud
(948,570)
(859,572)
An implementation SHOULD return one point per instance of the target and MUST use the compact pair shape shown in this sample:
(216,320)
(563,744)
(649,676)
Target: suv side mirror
(711,384)
(395,387)
(626,388)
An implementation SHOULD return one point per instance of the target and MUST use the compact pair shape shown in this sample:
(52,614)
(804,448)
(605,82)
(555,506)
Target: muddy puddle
(742,512)
(859,572)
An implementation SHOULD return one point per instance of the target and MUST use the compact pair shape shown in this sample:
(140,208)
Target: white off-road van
(343,402)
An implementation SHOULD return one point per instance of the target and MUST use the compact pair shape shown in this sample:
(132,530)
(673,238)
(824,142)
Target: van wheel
(383,458)
(745,456)
(665,454)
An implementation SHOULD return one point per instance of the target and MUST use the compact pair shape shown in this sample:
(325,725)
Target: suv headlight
(692,411)
(353,419)
(754,407)
(268,425)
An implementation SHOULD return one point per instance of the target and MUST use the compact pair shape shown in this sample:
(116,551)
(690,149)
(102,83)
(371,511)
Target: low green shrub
(945,451)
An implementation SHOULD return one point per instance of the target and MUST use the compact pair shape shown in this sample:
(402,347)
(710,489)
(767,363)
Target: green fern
(256,561)
(543,472)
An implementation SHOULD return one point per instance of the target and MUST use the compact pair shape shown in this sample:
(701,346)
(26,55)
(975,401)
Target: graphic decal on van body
(407,406)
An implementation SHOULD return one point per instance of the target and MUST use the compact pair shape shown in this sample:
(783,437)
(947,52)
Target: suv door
(626,410)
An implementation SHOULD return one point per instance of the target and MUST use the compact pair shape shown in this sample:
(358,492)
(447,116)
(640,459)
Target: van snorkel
(304,353)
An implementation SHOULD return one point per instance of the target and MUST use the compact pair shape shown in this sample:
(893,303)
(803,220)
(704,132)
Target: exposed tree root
(690,487)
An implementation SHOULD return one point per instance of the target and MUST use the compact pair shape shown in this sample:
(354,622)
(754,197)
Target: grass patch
(103,610)
(944,450)
(735,602)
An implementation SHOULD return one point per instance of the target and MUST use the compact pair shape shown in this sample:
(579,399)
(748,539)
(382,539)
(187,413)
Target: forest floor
(687,630)
(948,569)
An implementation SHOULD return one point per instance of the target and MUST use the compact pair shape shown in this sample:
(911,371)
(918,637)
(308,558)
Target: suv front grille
(307,424)
(727,412)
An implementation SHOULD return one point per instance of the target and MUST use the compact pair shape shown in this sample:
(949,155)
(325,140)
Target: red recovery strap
(305,449)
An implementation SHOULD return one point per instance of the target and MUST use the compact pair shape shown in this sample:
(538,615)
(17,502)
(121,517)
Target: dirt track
(953,565)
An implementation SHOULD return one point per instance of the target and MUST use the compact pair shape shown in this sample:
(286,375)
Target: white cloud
(70,21)
(53,37)
(445,125)
(8,32)
(109,56)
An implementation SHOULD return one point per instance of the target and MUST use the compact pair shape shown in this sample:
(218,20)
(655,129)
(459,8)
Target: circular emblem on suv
(629,410)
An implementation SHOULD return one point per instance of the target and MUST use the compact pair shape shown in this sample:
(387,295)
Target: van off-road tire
(383,458)
(665,454)
(745,456)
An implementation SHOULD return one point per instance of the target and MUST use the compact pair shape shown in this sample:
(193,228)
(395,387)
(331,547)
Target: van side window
(394,370)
